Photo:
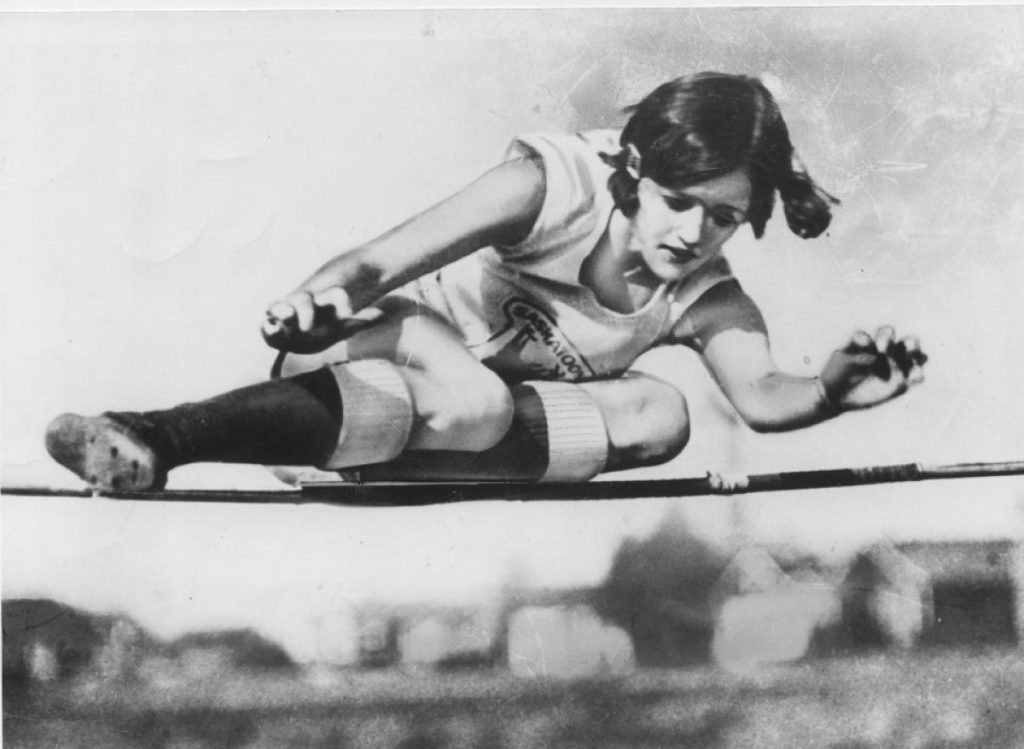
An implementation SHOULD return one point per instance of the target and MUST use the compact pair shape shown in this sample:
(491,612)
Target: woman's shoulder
(584,142)
(716,304)
(577,202)
(577,157)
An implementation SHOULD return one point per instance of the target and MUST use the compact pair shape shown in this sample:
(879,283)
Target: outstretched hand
(308,322)
(871,370)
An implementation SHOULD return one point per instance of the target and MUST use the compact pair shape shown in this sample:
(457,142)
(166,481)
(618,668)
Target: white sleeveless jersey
(522,308)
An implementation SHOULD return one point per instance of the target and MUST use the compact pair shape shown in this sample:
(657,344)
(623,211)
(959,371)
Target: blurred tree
(661,589)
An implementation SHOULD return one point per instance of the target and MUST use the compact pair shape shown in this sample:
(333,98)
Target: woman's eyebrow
(682,194)
(723,207)
(738,211)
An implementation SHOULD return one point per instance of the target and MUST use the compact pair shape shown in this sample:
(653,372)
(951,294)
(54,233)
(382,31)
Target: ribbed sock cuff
(378,413)
(563,418)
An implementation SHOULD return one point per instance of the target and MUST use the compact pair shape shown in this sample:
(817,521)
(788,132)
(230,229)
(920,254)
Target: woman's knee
(647,420)
(486,411)
(475,414)
(459,403)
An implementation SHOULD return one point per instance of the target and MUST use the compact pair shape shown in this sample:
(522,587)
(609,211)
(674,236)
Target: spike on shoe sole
(104,453)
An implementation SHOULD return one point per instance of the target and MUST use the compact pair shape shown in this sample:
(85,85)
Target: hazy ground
(938,699)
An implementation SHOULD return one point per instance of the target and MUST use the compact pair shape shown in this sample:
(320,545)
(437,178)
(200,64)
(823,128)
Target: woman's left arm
(866,372)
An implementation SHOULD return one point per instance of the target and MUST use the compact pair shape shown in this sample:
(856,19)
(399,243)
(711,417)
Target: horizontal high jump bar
(417,494)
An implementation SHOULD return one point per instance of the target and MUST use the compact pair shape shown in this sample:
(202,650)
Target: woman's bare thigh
(459,403)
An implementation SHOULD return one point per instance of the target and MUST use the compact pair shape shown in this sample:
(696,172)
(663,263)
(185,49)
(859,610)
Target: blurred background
(164,176)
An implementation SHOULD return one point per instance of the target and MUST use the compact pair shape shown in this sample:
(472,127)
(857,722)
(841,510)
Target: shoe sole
(103,453)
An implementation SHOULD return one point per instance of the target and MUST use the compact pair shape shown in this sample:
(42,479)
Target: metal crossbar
(416,494)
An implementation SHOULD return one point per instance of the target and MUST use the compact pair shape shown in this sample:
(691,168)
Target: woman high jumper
(493,334)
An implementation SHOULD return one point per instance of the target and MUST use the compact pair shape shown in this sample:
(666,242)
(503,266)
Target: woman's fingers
(864,352)
(916,375)
(860,341)
(297,310)
(279,321)
(873,369)
(305,310)
(368,315)
(278,315)
(286,316)
(333,305)
(907,354)
(335,298)
(912,343)
(281,312)
(880,351)
(863,360)
(901,354)
(914,351)
(272,327)
(884,338)
(305,322)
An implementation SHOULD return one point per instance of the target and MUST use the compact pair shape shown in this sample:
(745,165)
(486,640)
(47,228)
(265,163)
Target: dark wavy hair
(703,126)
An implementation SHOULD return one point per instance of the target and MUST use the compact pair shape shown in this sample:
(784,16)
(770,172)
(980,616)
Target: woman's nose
(690,224)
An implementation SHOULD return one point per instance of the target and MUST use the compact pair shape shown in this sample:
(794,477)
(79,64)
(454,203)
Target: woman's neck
(617,275)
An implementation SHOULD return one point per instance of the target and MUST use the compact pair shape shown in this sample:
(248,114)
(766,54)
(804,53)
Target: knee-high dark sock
(294,421)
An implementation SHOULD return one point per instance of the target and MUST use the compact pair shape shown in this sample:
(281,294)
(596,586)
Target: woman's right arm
(500,207)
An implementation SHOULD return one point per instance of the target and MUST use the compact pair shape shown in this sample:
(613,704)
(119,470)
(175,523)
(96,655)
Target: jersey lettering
(532,346)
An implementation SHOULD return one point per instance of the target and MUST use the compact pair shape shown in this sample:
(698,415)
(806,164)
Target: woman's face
(676,232)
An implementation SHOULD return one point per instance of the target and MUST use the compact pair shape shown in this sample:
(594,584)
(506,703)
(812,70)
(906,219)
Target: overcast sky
(164,176)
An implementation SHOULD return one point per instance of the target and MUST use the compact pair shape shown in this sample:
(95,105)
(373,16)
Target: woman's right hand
(307,322)
(871,370)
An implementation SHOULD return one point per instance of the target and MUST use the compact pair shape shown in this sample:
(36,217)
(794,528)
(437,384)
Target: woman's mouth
(680,255)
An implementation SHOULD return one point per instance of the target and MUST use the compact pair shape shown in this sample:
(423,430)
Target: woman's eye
(680,203)
(724,220)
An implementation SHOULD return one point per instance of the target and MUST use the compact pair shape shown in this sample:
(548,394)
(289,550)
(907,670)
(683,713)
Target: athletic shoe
(104,452)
